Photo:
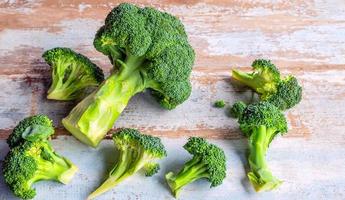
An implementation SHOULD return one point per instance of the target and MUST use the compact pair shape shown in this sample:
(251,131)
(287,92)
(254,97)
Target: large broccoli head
(208,162)
(149,50)
(72,73)
(31,162)
(37,127)
(153,41)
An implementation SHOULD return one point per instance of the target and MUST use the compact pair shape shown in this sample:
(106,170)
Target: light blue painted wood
(311,170)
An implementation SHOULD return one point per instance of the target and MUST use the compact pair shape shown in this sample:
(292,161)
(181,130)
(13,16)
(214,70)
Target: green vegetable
(237,109)
(261,122)
(149,49)
(266,81)
(31,128)
(151,169)
(72,74)
(136,151)
(32,159)
(208,162)
(219,104)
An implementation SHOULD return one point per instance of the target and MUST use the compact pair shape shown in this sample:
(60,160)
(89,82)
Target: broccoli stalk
(266,81)
(260,176)
(149,49)
(136,151)
(72,74)
(261,123)
(208,162)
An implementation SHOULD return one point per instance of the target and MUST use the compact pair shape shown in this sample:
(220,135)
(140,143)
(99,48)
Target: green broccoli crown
(289,94)
(266,69)
(159,45)
(237,109)
(31,162)
(71,73)
(262,114)
(31,128)
(151,169)
(211,156)
(133,138)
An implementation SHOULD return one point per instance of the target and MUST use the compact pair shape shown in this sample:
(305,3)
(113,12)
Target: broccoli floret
(136,151)
(151,169)
(149,49)
(38,127)
(31,162)
(208,162)
(237,109)
(288,94)
(219,104)
(261,122)
(284,93)
(72,74)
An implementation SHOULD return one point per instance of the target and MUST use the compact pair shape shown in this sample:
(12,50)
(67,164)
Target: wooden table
(304,38)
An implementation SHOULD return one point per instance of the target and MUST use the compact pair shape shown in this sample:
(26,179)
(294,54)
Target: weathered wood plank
(293,160)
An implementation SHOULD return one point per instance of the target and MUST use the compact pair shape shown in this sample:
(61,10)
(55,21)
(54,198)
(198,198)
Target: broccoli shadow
(243,155)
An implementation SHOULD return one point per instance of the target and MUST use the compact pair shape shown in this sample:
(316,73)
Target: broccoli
(32,158)
(261,122)
(31,128)
(208,162)
(219,104)
(149,49)
(72,74)
(237,108)
(151,169)
(136,151)
(267,82)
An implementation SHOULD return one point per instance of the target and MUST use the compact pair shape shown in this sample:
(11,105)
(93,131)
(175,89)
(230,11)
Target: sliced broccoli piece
(149,49)
(261,122)
(219,104)
(284,93)
(151,169)
(237,109)
(208,162)
(72,74)
(136,151)
(31,162)
(38,127)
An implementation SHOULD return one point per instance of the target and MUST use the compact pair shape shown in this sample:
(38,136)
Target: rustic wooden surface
(305,38)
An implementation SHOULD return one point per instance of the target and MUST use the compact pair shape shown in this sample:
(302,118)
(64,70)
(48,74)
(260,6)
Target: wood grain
(304,38)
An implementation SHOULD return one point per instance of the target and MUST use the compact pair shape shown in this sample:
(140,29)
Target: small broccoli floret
(289,94)
(208,162)
(31,162)
(219,104)
(237,109)
(284,93)
(136,151)
(38,127)
(151,169)
(261,122)
(72,74)
(263,79)
(149,49)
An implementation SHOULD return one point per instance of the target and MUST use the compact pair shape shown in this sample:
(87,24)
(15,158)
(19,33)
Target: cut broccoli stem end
(192,171)
(260,176)
(95,115)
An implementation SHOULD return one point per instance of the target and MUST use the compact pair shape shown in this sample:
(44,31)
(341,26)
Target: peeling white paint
(83,6)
